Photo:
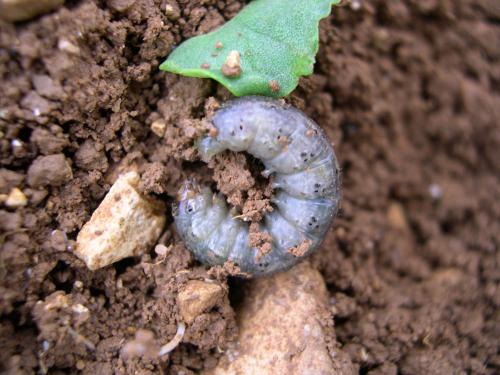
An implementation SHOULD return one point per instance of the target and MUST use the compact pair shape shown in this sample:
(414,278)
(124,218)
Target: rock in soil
(16,198)
(125,224)
(284,330)
(196,297)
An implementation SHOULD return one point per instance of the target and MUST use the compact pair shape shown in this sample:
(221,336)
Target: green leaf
(277,41)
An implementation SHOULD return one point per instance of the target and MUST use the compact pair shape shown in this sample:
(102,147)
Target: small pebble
(197,297)
(158,127)
(80,365)
(66,46)
(356,5)
(232,65)
(125,224)
(16,198)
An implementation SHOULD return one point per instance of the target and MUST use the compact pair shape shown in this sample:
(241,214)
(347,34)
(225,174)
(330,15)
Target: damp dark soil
(409,93)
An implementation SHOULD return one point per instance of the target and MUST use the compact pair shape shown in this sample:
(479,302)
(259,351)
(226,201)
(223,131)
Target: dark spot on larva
(317,185)
(303,154)
(241,127)
(233,133)
(314,219)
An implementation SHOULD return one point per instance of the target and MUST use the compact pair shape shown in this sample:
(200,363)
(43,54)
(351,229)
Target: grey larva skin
(296,152)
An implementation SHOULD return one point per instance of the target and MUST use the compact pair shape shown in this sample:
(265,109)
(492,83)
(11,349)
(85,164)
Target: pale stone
(232,65)
(197,297)
(125,224)
(66,46)
(284,329)
(396,216)
(22,10)
(158,127)
(16,198)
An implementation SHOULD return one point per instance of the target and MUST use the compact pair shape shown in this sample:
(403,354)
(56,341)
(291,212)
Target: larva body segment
(296,152)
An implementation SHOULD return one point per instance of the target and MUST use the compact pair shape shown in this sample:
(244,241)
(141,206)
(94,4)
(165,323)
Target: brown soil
(409,91)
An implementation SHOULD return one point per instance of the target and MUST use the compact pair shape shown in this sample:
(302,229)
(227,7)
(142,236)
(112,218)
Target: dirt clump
(53,170)
(91,156)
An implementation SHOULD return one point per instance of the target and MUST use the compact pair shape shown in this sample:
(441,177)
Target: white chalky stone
(125,224)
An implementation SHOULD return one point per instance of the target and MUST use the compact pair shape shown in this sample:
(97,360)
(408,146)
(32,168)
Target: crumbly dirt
(408,91)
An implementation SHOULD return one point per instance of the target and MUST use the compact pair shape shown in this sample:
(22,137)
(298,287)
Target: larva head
(197,214)
(192,199)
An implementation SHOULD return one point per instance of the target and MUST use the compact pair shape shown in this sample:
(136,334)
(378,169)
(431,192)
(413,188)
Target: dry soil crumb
(233,176)
(257,204)
(51,170)
(301,248)
(260,239)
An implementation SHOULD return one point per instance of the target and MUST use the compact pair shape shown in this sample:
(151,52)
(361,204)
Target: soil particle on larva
(300,249)
(259,239)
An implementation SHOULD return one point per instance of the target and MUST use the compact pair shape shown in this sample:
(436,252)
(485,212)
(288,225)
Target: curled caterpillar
(296,152)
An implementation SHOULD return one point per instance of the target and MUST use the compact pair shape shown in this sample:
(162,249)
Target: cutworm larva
(301,160)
